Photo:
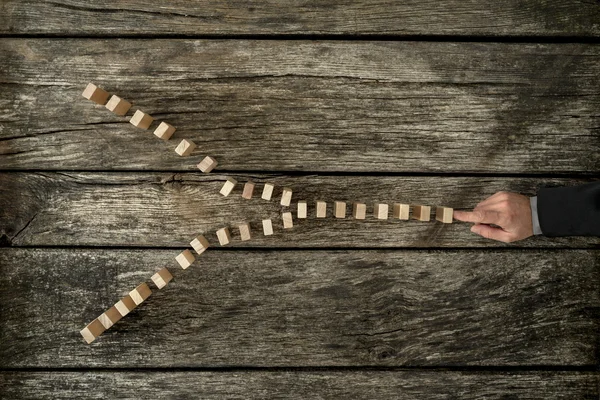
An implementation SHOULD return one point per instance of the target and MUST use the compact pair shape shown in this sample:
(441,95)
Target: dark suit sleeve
(570,211)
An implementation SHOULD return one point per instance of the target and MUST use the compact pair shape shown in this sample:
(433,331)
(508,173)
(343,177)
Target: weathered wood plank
(304,308)
(212,17)
(305,106)
(430,385)
(167,210)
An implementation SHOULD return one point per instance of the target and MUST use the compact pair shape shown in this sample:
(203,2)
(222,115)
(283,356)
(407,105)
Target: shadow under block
(268,191)
(162,278)
(118,105)
(444,214)
(339,209)
(288,222)
(381,211)
(421,213)
(141,120)
(244,231)
(267,227)
(125,305)
(228,186)
(140,293)
(164,131)
(185,259)
(321,209)
(248,190)
(207,164)
(302,209)
(359,210)
(286,197)
(110,317)
(95,94)
(401,211)
(92,331)
(224,236)
(200,244)
(185,148)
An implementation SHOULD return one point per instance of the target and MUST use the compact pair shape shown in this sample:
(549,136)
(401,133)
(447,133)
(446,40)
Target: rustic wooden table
(440,103)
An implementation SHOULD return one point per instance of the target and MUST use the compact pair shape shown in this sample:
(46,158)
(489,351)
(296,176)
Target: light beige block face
(140,293)
(245,231)
(286,197)
(141,120)
(207,164)
(401,211)
(92,331)
(110,317)
(321,209)
(339,209)
(359,210)
(162,278)
(185,259)
(118,105)
(422,213)
(381,211)
(228,186)
(224,236)
(200,244)
(444,214)
(125,305)
(267,227)
(302,209)
(288,221)
(268,191)
(248,190)
(164,131)
(95,94)
(185,148)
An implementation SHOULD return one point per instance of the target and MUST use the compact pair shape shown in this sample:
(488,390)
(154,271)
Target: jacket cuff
(535,220)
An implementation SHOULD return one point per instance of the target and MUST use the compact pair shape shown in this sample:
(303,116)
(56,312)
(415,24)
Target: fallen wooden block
(248,190)
(287,220)
(359,210)
(140,293)
(245,231)
(268,191)
(321,209)
(339,209)
(444,214)
(92,331)
(200,244)
(95,94)
(381,211)
(141,120)
(162,278)
(286,197)
(125,305)
(110,317)
(302,209)
(118,105)
(228,186)
(207,164)
(185,259)
(267,227)
(224,236)
(185,148)
(422,213)
(164,131)
(401,211)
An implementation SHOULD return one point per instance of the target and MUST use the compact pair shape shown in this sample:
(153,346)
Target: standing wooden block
(118,105)
(207,164)
(141,120)
(245,231)
(95,94)
(381,211)
(228,186)
(268,191)
(224,236)
(339,209)
(359,210)
(444,214)
(185,148)
(92,331)
(200,244)
(302,209)
(267,227)
(286,197)
(110,317)
(162,278)
(248,190)
(140,293)
(185,259)
(125,305)
(401,211)
(287,220)
(321,209)
(422,213)
(164,131)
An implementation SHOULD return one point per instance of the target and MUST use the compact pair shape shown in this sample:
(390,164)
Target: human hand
(510,213)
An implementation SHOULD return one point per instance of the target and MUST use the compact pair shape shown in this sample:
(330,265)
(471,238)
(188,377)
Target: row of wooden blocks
(267,193)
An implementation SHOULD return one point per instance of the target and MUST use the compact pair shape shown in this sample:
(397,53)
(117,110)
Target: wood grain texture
(403,385)
(212,17)
(304,105)
(304,308)
(169,210)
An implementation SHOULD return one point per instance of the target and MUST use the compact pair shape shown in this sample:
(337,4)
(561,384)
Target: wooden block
(224,236)
(125,305)
(287,220)
(245,231)
(185,148)
(321,209)
(422,213)
(92,331)
(185,259)
(110,317)
(118,105)
(228,186)
(140,293)
(248,190)
(381,211)
(207,164)
(401,211)
(162,278)
(444,214)
(302,209)
(164,131)
(339,209)
(141,120)
(268,191)
(267,227)
(359,210)
(95,94)
(286,197)
(200,244)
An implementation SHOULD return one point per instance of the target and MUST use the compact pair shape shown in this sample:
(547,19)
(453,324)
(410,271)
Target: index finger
(478,216)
